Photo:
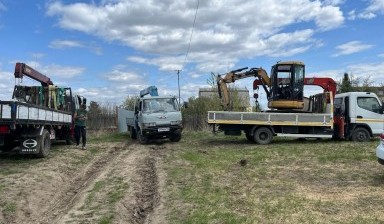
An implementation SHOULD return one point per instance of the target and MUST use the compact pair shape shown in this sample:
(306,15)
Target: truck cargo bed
(270,118)
(24,113)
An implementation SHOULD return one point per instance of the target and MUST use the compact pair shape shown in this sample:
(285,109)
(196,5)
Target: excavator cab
(287,85)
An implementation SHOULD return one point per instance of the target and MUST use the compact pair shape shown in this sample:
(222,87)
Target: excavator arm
(237,74)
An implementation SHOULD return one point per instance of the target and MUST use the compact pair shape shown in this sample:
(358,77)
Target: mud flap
(30,142)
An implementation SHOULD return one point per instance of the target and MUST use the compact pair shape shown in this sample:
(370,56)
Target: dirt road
(118,182)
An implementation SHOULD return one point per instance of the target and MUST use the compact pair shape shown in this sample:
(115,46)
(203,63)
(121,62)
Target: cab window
(369,103)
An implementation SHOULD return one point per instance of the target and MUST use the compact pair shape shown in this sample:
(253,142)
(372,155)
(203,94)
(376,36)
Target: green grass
(106,219)
(288,181)
(9,208)
(107,137)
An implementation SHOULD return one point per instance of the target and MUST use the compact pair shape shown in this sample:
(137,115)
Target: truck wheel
(132,133)
(143,139)
(44,146)
(381,161)
(360,135)
(175,137)
(263,136)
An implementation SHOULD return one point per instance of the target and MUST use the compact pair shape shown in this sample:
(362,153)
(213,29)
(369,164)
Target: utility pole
(178,83)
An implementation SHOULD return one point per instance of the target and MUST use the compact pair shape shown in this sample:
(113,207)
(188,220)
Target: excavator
(284,88)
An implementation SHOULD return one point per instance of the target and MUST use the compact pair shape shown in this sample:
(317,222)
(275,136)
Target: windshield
(160,105)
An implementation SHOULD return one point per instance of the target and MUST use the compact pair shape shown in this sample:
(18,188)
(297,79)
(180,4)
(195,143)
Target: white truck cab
(363,113)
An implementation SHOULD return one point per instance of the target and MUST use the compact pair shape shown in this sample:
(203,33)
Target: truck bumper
(162,131)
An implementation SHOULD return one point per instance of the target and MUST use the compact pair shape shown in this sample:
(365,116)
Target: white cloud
(376,6)
(119,76)
(62,72)
(65,44)
(6,86)
(351,47)
(363,70)
(62,44)
(352,15)
(367,15)
(228,30)
(163,63)
(333,2)
(370,12)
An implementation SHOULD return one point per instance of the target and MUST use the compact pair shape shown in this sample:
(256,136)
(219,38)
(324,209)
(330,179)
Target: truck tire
(143,139)
(360,134)
(45,145)
(132,133)
(263,135)
(175,137)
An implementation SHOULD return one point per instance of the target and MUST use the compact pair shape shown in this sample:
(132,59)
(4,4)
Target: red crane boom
(22,69)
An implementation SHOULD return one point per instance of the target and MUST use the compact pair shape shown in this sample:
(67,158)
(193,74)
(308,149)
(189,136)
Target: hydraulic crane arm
(328,84)
(22,69)
(234,75)
(152,90)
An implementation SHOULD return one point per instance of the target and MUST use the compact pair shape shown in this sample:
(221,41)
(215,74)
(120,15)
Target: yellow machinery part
(285,104)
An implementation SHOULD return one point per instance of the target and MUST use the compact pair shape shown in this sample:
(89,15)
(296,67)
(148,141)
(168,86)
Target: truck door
(368,110)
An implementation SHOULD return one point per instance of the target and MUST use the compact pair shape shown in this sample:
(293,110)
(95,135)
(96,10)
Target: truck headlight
(175,122)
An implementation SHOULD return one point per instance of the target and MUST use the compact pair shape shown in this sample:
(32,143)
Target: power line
(188,49)
(190,37)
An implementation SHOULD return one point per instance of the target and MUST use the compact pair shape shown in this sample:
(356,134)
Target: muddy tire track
(146,199)
(130,177)
(69,197)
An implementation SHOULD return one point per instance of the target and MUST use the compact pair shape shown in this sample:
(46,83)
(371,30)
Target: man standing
(80,126)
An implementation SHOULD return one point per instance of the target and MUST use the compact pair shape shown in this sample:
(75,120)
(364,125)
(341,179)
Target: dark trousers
(80,132)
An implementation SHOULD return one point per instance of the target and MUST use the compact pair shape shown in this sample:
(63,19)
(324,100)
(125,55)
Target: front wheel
(263,136)
(360,135)
(175,137)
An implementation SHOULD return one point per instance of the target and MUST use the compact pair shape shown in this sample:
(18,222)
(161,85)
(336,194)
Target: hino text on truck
(154,117)
(36,115)
(356,116)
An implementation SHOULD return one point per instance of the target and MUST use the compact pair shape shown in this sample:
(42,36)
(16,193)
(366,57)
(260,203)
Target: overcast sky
(107,50)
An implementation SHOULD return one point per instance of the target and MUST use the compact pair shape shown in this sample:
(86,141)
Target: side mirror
(185,104)
(382,108)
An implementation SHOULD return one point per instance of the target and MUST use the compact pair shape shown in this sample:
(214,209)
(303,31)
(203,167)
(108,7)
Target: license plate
(162,129)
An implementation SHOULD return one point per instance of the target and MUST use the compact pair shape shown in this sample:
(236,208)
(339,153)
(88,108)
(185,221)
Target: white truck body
(361,114)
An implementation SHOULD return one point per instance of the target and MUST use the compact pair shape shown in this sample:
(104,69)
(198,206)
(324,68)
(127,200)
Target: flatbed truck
(36,115)
(356,116)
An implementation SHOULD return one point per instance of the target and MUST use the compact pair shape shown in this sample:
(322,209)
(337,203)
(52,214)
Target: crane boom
(22,69)
(152,91)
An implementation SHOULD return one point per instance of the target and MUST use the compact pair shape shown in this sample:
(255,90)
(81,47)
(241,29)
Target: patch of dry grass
(288,181)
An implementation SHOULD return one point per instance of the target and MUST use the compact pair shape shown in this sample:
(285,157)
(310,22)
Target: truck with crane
(155,117)
(36,115)
(356,116)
